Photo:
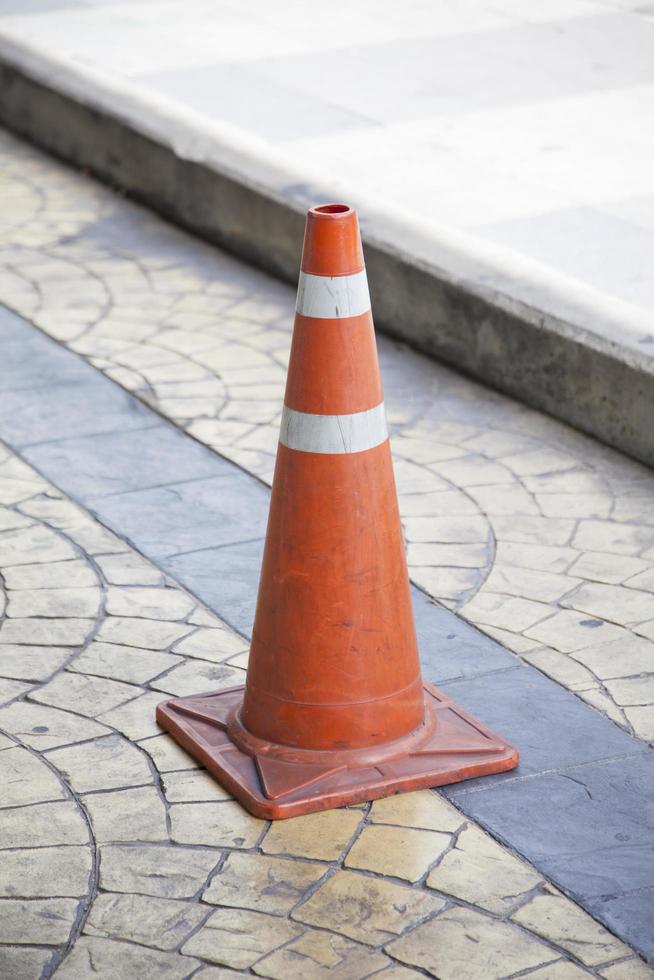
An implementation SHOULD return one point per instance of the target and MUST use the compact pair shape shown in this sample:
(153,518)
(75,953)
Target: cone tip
(332,244)
(331,211)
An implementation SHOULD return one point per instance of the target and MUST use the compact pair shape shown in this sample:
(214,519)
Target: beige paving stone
(203,617)
(578,482)
(319,954)
(105,763)
(561,668)
(266,884)
(159,922)
(129,569)
(474,471)
(423,809)
(23,962)
(127,814)
(539,460)
(129,664)
(512,641)
(73,602)
(75,573)
(13,689)
(322,836)
(220,973)
(506,612)
(542,558)
(161,870)
(369,910)
(632,690)
(495,501)
(524,529)
(453,555)
(462,944)
(10,520)
(446,530)
(563,923)
(529,584)
(84,695)
(600,700)
(631,969)
(240,660)
(26,779)
(569,631)
(211,644)
(39,920)
(166,754)
(575,504)
(239,937)
(614,602)
(439,503)
(645,629)
(43,632)
(642,721)
(624,656)
(614,538)
(43,872)
(95,540)
(483,873)
(193,786)
(401,852)
(612,569)
(44,727)
(198,676)
(644,580)
(560,970)
(36,543)
(146,633)
(445,583)
(105,959)
(136,719)
(397,972)
(148,603)
(32,663)
(223,824)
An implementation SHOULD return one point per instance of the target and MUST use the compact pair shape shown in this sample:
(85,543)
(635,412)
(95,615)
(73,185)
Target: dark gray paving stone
(590,829)
(30,360)
(227,579)
(550,726)
(450,648)
(630,915)
(206,530)
(52,412)
(96,466)
(226,508)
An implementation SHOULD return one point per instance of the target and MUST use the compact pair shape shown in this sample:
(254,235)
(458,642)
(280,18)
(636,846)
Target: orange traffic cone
(334,710)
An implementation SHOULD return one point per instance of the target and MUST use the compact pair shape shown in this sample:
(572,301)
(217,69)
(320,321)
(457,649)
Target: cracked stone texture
(538,535)
(103,813)
(121,858)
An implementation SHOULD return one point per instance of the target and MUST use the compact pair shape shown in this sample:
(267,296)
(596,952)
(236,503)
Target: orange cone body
(334,708)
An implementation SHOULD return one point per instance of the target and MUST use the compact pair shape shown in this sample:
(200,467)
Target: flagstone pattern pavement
(541,537)
(121,858)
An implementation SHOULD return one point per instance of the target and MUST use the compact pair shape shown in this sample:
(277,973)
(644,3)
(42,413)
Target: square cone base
(272,787)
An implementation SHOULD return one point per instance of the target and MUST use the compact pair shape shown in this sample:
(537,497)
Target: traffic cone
(334,710)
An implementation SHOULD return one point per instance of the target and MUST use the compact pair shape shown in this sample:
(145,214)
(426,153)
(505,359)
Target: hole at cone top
(328,209)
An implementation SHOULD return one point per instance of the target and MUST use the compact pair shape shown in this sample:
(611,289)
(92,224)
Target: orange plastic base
(276,781)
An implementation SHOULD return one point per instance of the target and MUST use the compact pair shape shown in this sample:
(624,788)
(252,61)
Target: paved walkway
(540,536)
(526,123)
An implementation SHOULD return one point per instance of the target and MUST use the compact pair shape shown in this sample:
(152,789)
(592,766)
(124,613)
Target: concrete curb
(547,340)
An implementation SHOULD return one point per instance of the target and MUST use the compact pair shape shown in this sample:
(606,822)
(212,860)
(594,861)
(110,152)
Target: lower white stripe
(332,297)
(333,433)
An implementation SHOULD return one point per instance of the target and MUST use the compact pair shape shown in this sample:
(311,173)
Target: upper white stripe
(332,296)
(333,433)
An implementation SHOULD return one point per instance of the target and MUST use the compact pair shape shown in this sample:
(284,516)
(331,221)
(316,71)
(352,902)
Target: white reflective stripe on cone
(332,297)
(333,433)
